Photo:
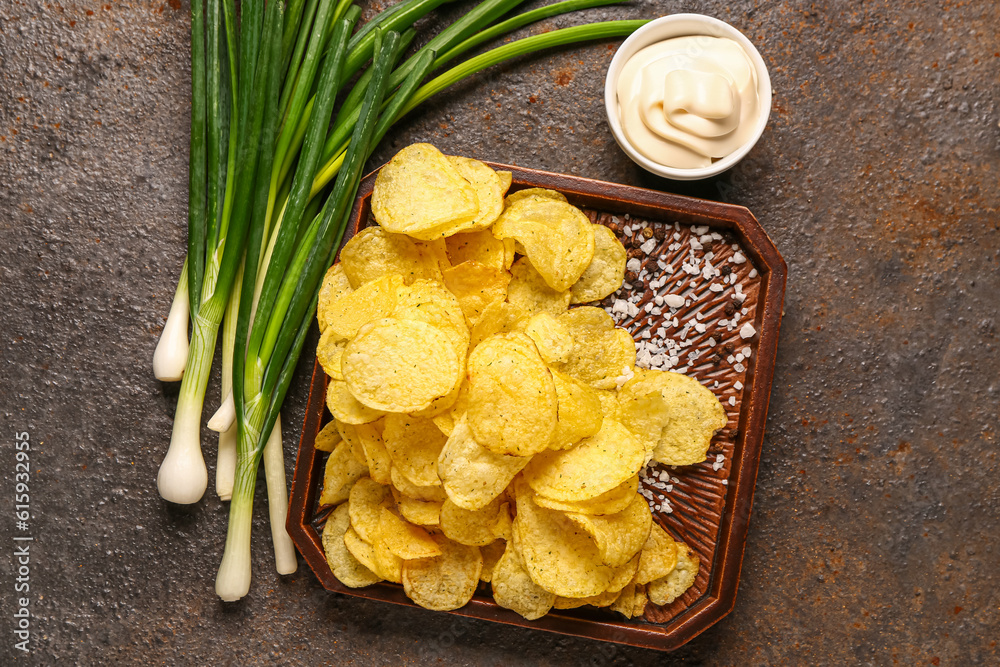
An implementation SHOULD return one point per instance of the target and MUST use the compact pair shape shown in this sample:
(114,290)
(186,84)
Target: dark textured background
(873,537)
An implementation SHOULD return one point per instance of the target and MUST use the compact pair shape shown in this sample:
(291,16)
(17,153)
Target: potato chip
(432,303)
(444,582)
(658,556)
(327,438)
(371,301)
(388,565)
(427,493)
(345,407)
(609,403)
(601,352)
(348,569)
(602,599)
(366,501)
(557,238)
(400,365)
(479,246)
(375,252)
(512,401)
(341,472)
(558,555)
(624,575)
(414,445)
(506,178)
(667,589)
(596,465)
(473,475)
(446,420)
(609,502)
(476,286)
(350,435)
(551,338)
(405,539)
(534,193)
(335,285)
(498,317)
(503,525)
(376,455)
(529,291)
(672,413)
(631,601)
(513,588)
(491,555)
(475,528)
(364,553)
(419,512)
(329,352)
(578,410)
(606,271)
(489,189)
(419,193)
(619,537)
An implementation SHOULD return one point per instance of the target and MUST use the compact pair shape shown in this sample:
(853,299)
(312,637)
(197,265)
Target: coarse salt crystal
(648,307)
(732,400)
(627,230)
(746,352)
(716,287)
(649,246)
(725,482)
(705,238)
(633,310)
(730,359)
(673,300)
(633,264)
(698,230)
(738,258)
(747,331)
(699,327)
(695,245)
(753,273)
(723,322)
(739,368)
(739,356)
(737,385)
(741,297)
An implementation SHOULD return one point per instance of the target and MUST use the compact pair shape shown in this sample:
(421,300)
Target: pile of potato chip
(479,432)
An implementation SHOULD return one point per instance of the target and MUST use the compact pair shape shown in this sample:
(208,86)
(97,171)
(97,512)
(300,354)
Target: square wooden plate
(718,257)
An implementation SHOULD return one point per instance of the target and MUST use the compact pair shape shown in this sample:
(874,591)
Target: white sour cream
(687,101)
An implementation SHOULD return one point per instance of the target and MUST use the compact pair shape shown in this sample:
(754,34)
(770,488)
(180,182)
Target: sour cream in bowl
(687,96)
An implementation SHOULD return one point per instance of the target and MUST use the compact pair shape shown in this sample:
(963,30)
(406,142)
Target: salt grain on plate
(753,273)
(699,327)
(674,301)
(732,400)
(649,246)
(716,287)
(737,385)
(739,368)
(746,352)
(747,331)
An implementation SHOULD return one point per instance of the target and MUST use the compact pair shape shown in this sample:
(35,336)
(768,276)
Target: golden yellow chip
(579,413)
(624,575)
(376,455)
(348,569)
(443,582)
(371,301)
(513,588)
(350,435)
(596,465)
(506,178)
(374,252)
(414,444)
(529,291)
(327,438)
(329,352)
(419,193)
(476,528)
(667,589)
(473,475)
(491,555)
(419,512)
(480,246)
(658,557)
(551,338)
(502,527)
(672,413)
(620,536)
(609,403)
(498,317)
(631,602)
(534,193)
(512,401)
(609,502)
(431,302)
(364,553)
(558,555)
(476,286)
(405,539)
(400,365)
(407,488)
(387,564)
(603,599)
(335,285)
(341,472)
(345,407)
(489,189)
(557,238)
(606,271)
(601,352)
(366,501)
(446,420)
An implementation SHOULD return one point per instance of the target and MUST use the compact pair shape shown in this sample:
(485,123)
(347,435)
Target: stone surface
(873,537)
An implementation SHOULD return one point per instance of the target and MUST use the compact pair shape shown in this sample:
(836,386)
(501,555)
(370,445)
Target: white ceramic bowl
(680,25)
